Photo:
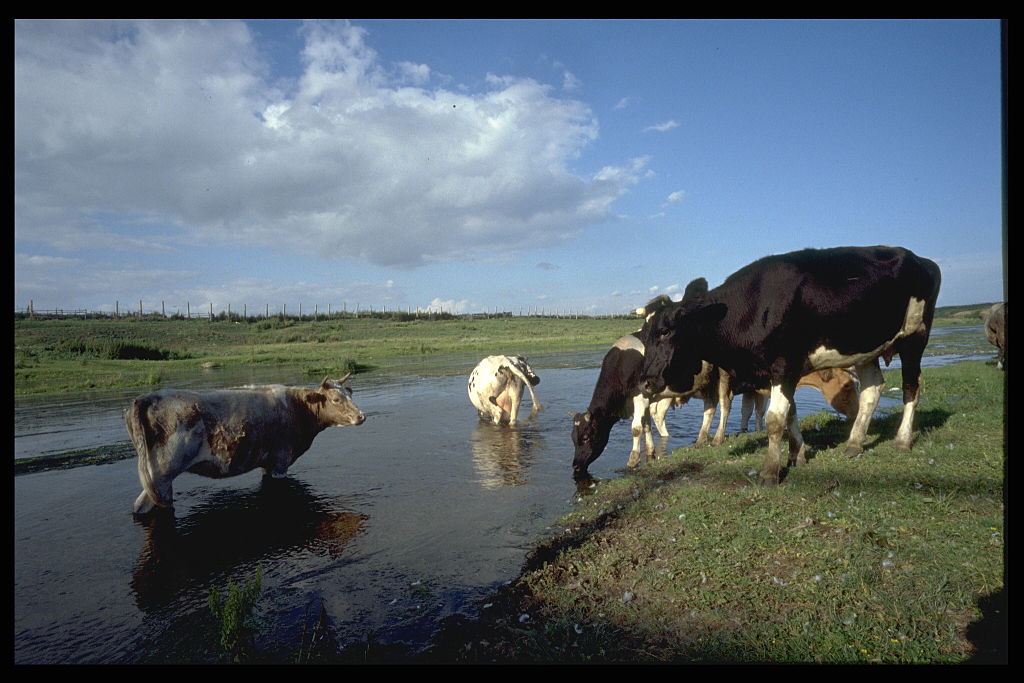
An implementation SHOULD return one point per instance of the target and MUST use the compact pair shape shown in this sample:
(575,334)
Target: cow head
(674,341)
(590,439)
(333,404)
(520,364)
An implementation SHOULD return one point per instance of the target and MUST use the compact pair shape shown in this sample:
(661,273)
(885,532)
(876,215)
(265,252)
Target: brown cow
(837,385)
(226,432)
(995,331)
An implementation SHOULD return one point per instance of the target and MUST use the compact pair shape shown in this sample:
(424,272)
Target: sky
(577,166)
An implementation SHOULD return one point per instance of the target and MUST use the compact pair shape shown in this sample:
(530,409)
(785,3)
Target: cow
(995,331)
(783,316)
(837,385)
(226,432)
(617,396)
(496,388)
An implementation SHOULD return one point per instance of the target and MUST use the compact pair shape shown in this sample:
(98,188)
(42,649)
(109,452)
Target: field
(68,354)
(53,355)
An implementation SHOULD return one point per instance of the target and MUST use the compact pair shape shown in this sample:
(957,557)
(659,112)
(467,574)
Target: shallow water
(390,526)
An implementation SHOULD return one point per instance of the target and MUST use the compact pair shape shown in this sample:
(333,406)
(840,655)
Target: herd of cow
(816,317)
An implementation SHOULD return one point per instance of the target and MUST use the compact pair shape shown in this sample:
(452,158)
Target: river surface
(389,527)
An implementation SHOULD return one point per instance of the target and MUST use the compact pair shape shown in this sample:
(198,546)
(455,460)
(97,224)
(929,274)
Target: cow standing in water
(783,316)
(226,432)
(496,388)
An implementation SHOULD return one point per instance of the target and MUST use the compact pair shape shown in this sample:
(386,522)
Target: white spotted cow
(496,388)
(226,432)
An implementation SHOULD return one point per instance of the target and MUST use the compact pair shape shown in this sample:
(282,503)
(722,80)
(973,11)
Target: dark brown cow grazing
(995,331)
(226,432)
(783,316)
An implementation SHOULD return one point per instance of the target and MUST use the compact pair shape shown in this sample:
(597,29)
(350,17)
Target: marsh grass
(882,558)
(68,355)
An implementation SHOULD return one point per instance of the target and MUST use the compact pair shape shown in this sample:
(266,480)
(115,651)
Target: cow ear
(654,305)
(695,291)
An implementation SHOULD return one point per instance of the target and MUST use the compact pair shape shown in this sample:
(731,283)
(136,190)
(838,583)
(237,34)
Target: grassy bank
(72,354)
(890,557)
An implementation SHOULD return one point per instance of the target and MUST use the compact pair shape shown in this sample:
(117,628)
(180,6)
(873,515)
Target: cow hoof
(902,446)
(852,451)
(768,481)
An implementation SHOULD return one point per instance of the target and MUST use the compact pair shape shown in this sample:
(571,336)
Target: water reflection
(503,455)
(236,529)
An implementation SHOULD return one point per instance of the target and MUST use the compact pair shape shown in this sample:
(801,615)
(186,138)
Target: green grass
(56,355)
(71,354)
(882,558)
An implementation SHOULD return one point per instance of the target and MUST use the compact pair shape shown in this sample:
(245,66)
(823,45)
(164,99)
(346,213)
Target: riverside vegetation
(890,557)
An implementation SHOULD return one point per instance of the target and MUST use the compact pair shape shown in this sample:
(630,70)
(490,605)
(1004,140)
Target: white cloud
(676,196)
(662,127)
(622,104)
(181,125)
(447,306)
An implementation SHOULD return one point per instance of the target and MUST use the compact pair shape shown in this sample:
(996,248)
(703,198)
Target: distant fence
(265,312)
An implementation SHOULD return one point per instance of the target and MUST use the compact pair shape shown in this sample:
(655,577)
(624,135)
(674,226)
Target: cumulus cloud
(676,196)
(180,131)
(447,306)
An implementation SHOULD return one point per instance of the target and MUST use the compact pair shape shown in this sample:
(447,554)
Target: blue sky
(555,165)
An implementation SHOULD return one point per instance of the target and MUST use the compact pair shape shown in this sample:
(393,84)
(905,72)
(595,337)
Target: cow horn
(342,380)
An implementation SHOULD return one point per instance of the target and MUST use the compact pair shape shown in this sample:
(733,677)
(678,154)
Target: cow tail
(533,397)
(137,422)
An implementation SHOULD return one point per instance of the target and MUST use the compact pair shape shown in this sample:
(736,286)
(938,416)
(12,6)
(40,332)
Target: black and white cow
(783,316)
(496,388)
(617,396)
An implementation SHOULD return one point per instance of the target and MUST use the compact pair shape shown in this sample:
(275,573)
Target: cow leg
(659,409)
(497,405)
(760,405)
(158,466)
(746,408)
(871,384)
(776,422)
(725,407)
(911,363)
(637,428)
(797,450)
(705,426)
(514,393)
